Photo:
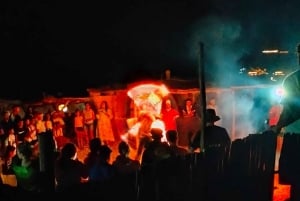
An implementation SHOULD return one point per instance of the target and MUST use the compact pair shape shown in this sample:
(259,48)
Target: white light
(280,91)
(277,93)
(63,107)
(270,51)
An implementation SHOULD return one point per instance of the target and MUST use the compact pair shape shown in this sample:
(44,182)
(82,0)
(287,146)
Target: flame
(161,125)
(148,97)
(63,107)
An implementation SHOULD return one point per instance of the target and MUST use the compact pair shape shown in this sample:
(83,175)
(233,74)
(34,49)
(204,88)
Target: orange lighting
(252,73)
(148,97)
(146,89)
(63,107)
(160,124)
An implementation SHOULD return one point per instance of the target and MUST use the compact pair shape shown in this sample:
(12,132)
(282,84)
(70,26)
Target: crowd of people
(20,151)
(159,169)
(20,129)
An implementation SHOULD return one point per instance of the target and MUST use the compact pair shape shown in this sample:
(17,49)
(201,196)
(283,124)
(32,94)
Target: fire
(160,124)
(147,97)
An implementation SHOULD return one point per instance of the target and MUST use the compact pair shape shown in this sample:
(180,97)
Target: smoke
(234,42)
(233,36)
(221,48)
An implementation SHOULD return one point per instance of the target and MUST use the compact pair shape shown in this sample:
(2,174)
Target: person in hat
(216,151)
(214,136)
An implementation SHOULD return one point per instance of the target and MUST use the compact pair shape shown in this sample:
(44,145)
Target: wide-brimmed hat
(211,115)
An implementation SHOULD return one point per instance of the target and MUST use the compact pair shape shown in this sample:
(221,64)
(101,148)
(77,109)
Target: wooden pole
(233,126)
(201,71)
(46,159)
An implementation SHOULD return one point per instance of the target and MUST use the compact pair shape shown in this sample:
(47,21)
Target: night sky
(54,47)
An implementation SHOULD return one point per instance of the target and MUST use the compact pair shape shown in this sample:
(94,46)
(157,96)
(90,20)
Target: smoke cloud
(231,44)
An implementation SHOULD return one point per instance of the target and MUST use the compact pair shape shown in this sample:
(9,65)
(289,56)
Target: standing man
(214,136)
(169,115)
(188,124)
(217,145)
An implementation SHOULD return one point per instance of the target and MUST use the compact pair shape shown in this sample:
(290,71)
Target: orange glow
(63,107)
(160,124)
(148,97)
(143,90)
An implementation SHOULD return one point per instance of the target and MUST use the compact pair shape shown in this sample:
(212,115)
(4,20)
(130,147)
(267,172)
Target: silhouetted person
(69,171)
(289,122)
(102,174)
(127,172)
(92,157)
(216,144)
(123,164)
(172,137)
(154,166)
(179,168)
(214,136)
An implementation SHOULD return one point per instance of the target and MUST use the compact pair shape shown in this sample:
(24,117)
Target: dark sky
(58,46)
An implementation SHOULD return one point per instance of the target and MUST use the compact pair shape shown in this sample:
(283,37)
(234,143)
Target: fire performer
(143,133)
